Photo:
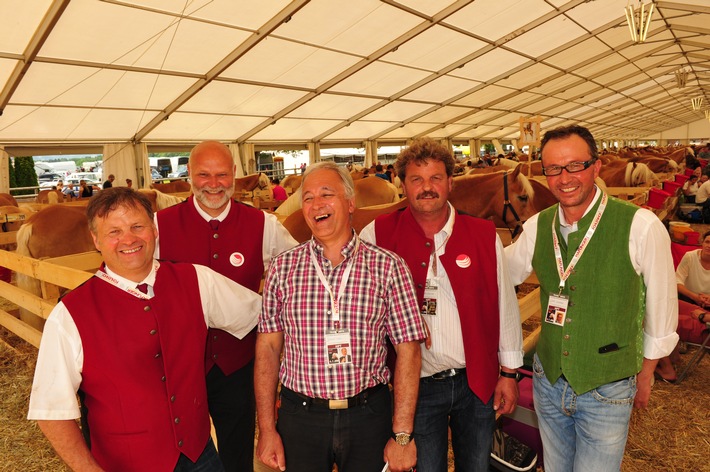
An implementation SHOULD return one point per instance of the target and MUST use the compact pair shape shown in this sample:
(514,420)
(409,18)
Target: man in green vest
(606,274)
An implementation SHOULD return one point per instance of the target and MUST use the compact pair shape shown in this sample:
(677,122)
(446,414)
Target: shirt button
(177,420)
(180,443)
(216,236)
(162,379)
(153,331)
(215,256)
(565,353)
(146,308)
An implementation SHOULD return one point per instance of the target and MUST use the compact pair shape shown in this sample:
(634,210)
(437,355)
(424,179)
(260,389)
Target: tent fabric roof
(76,72)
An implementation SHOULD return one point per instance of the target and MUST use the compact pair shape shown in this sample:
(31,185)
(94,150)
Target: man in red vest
(466,297)
(131,341)
(238,241)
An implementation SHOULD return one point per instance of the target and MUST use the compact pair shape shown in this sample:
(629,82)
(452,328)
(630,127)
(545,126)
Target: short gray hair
(342,172)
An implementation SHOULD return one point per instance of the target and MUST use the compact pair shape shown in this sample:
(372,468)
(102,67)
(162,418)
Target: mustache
(427,194)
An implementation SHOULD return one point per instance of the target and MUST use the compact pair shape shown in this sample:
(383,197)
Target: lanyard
(128,288)
(564,273)
(335,300)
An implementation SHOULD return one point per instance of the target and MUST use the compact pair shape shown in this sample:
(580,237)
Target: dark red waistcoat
(143,381)
(234,250)
(475,286)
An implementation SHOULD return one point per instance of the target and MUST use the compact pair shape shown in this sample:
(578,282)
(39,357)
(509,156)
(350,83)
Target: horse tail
(23,239)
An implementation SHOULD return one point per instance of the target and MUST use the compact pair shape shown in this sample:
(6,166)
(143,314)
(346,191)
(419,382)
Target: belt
(357,400)
(445,374)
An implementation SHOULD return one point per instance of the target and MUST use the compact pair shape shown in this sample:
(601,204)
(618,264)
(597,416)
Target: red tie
(214,224)
(143,288)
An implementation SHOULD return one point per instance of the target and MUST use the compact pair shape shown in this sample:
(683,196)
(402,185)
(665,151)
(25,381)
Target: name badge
(431,292)
(338,349)
(556,309)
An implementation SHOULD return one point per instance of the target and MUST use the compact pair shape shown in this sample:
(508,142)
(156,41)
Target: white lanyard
(335,301)
(123,285)
(564,274)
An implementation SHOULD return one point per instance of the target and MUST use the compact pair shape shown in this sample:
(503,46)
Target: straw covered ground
(672,435)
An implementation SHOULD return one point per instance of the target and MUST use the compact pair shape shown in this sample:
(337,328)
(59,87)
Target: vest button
(157,355)
(214,338)
(573,288)
(214,356)
(566,336)
(172,399)
(180,443)
(571,303)
(177,420)
(427,244)
(420,286)
(153,331)
(146,308)
(568,320)
(216,236)
(423,264)
(162,379)
(565,353)
(215,256)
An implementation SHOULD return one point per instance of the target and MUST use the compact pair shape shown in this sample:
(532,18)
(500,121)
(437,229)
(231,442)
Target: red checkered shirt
(379,301)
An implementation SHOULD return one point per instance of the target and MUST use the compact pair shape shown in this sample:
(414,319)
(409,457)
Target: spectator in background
(109,182)
(68,191)
(129,183)
(690,189)
(85,190)
(379,172)
(278,191)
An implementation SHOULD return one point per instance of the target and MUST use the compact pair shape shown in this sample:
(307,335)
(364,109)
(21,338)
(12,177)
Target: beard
(203,196)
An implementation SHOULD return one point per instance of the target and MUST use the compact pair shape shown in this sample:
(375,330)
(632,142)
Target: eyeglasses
(572,167)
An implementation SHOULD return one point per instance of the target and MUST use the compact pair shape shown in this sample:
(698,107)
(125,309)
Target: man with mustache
(238,241)
(462,284)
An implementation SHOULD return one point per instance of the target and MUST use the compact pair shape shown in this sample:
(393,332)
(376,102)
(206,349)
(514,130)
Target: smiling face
(427,186)
(125,237)
(326,209)
(211,172)
(574,191)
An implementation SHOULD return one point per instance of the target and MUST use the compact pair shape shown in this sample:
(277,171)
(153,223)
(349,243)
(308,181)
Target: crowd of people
(363,349)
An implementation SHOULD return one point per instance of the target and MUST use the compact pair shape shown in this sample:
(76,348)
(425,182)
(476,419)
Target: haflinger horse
(368,192)
(175,186)
(61,230)
(506,197)
(633,174)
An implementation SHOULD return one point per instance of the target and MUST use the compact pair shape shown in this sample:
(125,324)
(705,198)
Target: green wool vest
(606,300)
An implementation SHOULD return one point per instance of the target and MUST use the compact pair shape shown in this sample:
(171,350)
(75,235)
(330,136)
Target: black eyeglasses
(572,167)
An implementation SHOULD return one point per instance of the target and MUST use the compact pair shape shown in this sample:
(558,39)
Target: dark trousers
(315,437)
(233,411)
(207,462)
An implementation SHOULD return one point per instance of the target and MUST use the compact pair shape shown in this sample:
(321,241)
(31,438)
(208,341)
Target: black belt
(445,374)
(357,400)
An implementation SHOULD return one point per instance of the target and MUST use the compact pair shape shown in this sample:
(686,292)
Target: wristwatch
(402,438)
(510,375)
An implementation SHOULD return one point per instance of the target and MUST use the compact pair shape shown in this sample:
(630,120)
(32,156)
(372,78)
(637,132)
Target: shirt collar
(208,217)
(346,251)
(149,279)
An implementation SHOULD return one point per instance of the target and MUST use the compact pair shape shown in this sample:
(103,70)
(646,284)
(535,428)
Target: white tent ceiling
(277,72)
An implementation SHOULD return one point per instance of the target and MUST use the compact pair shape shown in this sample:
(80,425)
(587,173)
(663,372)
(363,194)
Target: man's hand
(270,450)
(644,381)
(400,458)
(505,397)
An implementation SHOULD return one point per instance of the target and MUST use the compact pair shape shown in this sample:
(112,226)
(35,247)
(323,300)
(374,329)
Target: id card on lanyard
(338,345)
(557,304)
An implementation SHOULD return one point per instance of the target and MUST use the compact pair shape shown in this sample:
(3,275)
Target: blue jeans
(207,462)
(582,432)
(451,403)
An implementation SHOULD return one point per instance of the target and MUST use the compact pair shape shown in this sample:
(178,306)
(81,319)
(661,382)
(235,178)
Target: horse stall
(53,274)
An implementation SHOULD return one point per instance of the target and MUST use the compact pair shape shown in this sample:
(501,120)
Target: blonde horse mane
(23,239)
(640,175)
(164,200)
(525,182)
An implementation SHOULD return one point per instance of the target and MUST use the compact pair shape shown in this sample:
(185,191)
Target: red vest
(475,287)
(143,381)
(234,250)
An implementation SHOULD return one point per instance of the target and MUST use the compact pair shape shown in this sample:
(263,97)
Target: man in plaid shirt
(330,304)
